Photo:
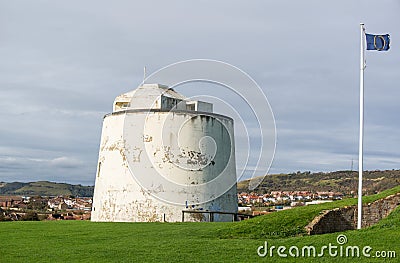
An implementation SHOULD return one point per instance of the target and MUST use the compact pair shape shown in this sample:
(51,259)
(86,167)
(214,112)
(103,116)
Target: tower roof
(146,96)
(157,96)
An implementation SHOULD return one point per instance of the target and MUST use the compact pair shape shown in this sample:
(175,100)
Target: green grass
(84,241)
(290,223)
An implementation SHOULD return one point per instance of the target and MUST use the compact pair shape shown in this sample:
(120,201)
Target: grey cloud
(63,63)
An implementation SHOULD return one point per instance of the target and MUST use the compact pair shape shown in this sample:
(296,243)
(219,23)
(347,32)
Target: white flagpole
(360,149)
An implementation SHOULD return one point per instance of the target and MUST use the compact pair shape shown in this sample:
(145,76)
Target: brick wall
(345,218)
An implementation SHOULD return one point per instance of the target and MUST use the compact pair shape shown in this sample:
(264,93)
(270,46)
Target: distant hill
(340,181)
(45,188)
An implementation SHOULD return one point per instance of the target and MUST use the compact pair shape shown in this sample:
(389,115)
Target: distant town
(45,200)
(28,208)
(34,208)
(256,204)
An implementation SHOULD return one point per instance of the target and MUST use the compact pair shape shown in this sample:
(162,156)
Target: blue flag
(378,42)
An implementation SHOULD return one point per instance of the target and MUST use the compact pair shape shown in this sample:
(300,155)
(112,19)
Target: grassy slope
(83,241)
(45,188)
(291,222)
(339,181)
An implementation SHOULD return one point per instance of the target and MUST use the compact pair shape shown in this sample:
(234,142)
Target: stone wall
(373,212)
(345,218)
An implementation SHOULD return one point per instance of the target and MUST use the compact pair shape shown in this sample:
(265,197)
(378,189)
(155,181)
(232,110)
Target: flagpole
(360,149)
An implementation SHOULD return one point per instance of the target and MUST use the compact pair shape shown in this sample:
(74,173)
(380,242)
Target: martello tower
(161,154)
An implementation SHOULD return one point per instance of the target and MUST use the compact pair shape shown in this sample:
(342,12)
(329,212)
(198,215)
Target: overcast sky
(62,63)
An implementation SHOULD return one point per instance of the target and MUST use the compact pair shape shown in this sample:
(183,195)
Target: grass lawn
(84,241)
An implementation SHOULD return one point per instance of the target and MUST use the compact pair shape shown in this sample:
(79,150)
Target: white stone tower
(165,158)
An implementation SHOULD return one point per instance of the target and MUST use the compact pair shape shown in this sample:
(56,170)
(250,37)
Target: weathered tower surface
(165,158)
